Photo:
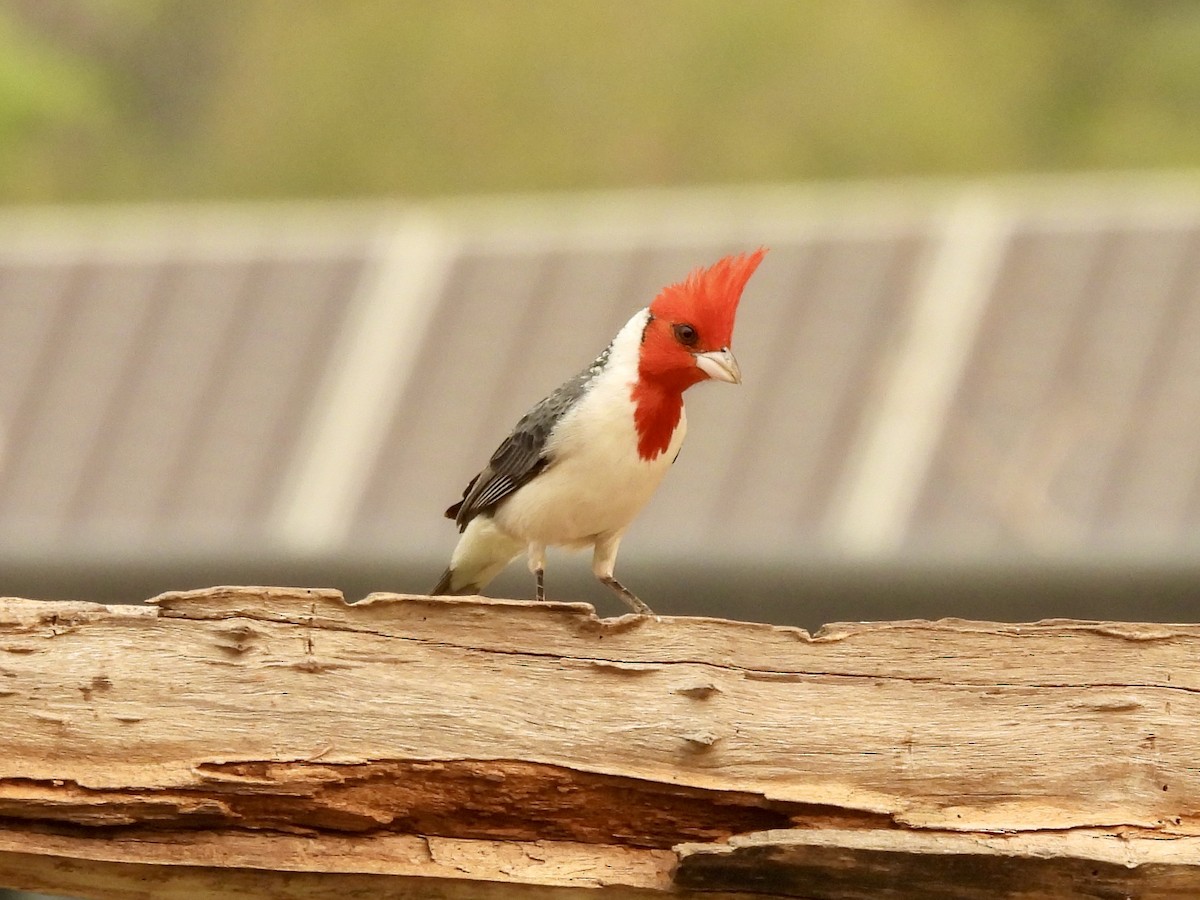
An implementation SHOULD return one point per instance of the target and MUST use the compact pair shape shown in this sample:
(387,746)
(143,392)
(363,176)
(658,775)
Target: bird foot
(628,597)
(540,595)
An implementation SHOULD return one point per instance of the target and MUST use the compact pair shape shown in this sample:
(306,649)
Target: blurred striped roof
(954,371)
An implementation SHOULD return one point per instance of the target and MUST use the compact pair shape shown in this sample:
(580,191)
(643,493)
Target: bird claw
(628,597)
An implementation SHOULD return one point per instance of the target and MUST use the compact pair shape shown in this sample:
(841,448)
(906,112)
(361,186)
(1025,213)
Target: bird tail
(482,553)
(445,585)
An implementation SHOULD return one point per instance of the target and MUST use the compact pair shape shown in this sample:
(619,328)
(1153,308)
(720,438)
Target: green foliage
(279,98)
(48,102)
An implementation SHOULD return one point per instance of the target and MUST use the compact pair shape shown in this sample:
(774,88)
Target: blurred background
(275,278)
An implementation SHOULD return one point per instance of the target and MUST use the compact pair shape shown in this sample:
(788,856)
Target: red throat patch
(656,416)
(706,303)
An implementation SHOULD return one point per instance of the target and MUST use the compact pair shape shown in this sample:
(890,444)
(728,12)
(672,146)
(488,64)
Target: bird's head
(690,330)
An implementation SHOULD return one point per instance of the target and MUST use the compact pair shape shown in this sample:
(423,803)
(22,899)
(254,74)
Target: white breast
(597,483)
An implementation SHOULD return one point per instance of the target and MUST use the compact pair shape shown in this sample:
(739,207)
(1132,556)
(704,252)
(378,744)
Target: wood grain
(273,730)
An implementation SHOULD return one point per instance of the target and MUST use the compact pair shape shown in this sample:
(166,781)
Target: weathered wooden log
(282,743)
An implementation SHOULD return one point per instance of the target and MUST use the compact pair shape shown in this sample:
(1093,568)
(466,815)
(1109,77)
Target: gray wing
(515,461)
(523,453)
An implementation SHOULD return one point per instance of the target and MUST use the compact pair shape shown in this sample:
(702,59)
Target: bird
(580,465)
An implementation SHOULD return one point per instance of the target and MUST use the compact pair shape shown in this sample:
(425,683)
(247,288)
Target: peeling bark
(466,741)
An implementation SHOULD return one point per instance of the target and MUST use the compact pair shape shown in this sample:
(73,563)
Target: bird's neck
(657,407)
(657,389)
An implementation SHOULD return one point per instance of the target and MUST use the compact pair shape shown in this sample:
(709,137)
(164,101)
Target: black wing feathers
(523,453)
(452,512)
(515,461)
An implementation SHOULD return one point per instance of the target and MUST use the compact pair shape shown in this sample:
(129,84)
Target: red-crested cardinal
(581,464)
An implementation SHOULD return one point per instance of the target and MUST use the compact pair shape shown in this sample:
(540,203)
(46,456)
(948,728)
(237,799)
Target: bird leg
(604,560)
(537,565)
(636,604)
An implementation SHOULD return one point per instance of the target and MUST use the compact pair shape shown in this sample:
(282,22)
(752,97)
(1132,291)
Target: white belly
(595,487)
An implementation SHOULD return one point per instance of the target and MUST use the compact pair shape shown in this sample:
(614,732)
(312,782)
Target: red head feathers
(687,340)
(708,299)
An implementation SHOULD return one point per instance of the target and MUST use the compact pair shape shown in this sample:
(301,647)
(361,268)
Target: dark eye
(685,334)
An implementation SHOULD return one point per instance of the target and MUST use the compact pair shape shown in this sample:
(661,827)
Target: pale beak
(720,364)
